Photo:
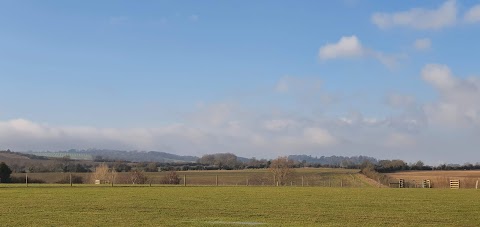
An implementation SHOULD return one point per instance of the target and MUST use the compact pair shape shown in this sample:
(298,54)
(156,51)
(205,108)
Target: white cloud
(439,76)
(422,44)
(419,18)
(351,47)
(214,128)
(279,124)
(459,98)
(319,136)
(472,15)
(347,46)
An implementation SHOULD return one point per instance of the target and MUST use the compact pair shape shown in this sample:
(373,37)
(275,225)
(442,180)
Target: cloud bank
(411,129)
(459,98)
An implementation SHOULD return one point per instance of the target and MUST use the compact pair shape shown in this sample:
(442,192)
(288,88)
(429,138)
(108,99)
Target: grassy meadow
(318,177)
(439,179)
(89,205)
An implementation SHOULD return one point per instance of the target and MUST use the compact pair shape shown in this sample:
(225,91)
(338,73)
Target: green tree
(5,172)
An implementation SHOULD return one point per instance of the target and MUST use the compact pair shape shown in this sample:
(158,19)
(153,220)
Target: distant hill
(71,155)
(132,156)
(157,156)
(11,155)
(341,161)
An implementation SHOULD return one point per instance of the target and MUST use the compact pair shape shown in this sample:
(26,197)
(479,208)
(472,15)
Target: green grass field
(87,205)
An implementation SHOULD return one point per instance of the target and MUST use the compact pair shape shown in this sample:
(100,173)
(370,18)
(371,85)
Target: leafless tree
(137,177)
(171,178)
(104,174)
(282,170)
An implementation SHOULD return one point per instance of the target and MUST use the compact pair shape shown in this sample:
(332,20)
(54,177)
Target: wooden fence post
(184,180)
(302,181)
(26,179)
(71,180)
(216,180)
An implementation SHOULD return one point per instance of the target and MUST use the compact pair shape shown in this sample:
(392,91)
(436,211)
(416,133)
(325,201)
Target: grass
(323,177)
(84,205)
(439,179)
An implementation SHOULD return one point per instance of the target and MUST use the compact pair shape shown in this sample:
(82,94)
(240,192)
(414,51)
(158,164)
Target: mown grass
(53,205)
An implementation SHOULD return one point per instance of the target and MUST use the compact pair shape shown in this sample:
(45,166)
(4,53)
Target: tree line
(218,161)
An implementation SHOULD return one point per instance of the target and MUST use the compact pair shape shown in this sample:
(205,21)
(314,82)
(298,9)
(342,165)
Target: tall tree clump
(104,174)
(282,170)
(5,172)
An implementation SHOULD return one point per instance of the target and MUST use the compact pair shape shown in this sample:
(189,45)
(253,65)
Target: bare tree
(138,177)
(104,174)
(170,178)
(282,170)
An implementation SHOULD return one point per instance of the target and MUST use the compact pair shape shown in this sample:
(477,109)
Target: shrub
(75,180)
(170,178)
(30,180)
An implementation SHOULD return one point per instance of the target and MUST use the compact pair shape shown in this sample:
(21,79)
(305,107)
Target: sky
(258,79)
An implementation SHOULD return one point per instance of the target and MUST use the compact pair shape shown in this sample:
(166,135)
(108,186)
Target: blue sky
(259,79)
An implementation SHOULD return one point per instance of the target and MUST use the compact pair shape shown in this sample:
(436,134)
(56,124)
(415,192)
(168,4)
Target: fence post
(302,181)
(184,180)
(246,178)
(341,183)
(476,185)
(71,180)
(216,180)
(26,179)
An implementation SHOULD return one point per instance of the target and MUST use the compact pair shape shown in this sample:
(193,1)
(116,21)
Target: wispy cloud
(419,18)
(194,18)
(422,44)
(472,15)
